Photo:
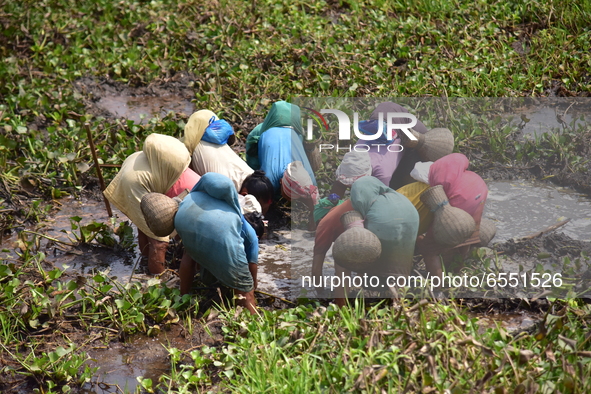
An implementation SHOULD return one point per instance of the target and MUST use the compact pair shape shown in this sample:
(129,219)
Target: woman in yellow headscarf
(161,167)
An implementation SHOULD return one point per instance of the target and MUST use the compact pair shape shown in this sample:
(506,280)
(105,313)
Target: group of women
(386,189)
(219,221)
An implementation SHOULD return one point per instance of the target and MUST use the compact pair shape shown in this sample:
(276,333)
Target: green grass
(241,55)
(425,348)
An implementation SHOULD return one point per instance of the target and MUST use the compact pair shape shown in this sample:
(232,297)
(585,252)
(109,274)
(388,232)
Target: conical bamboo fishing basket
(356,248)
(451,226)
(314,156)
(349,217)
(433,145)
(488,230)
(159,211)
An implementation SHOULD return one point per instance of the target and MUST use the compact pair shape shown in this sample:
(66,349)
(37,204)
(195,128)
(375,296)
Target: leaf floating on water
(82,167)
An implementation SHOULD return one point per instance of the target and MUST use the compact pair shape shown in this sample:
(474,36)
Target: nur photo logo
(388,124)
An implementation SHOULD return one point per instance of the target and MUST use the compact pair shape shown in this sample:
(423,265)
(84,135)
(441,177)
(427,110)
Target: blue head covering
(221,187)
(218,132)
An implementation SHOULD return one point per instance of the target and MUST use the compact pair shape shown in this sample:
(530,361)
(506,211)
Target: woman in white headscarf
(353,166)
(206,137)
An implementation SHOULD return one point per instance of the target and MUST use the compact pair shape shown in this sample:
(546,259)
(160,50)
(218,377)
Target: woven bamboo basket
(159,211)
(451,226)
(356,249)
(314,156)
(488,230)
(433,145)
(349,217)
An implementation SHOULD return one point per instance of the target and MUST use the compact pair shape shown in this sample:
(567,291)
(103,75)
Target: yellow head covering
(196,126)
(155,169)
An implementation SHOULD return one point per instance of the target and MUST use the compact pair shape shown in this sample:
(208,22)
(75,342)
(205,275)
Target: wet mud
(120,363)
(535,117)
(98,93)
(173,96)
(510,321)
(555,252)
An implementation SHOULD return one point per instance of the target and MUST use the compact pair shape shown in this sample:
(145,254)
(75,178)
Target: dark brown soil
(94,89)
(557,245)
(539,170)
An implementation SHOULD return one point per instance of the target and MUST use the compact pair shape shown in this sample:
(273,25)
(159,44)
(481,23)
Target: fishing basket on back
(159,211)
(432,145)
(488,230)
(451,225)
(313,154)
(357,247)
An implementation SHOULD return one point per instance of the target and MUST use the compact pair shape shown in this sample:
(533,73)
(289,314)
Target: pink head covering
(464,189)
(296,183)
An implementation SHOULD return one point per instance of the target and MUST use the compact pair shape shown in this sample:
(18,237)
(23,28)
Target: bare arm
(317,263)
(253,268)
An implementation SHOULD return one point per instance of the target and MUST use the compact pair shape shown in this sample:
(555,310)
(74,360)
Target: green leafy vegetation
(241,55)
(30,307)
(412,347)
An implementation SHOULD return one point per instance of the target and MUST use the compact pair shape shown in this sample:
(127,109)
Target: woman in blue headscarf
(277,142)
(216,236)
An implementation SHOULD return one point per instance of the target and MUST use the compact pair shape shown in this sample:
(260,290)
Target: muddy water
(284,257)
(120,363)
(83,259)
(520,208)
(548,118)
(142,109)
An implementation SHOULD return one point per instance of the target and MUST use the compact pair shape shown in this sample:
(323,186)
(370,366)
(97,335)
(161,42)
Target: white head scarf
(296,182)
(354,166)
(421,171)
(249,204)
